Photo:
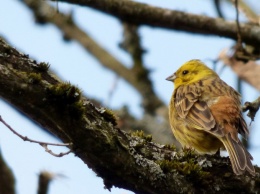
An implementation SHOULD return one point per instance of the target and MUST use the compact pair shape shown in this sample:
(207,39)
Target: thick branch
(143,14)
(122,160)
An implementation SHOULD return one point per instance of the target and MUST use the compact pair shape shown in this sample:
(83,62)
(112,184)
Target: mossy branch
(127,161)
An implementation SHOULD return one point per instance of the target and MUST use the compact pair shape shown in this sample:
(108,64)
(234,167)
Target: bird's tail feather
(240,158)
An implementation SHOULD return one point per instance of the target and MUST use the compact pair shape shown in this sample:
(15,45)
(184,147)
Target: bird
(205,115)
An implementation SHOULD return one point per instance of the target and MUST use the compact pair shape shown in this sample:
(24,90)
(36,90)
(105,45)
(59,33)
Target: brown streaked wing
(196,112)
(184,99)
(201,116)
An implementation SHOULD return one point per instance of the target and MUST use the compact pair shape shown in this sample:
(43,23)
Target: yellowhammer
(205,114)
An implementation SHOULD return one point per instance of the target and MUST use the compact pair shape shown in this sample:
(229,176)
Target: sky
(167,50)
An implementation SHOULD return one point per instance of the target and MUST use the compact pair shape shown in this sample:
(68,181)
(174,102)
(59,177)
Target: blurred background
(165,51)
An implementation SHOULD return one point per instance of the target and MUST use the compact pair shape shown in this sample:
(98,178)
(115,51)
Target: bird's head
(190,72)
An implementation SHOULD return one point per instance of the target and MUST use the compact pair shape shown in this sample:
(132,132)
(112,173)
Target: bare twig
(243,52)
(51,152)
(248,11)
(43,144)
(218,9)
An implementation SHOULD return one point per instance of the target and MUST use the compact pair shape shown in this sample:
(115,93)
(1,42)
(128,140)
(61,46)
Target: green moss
(64,93)
(43,67)
(170,147)
(185,162)
(110,116)
(66,97)
(189,168)
(187,153)
(141,134)
(34,78)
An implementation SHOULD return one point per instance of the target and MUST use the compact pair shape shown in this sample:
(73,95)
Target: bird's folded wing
(195,111)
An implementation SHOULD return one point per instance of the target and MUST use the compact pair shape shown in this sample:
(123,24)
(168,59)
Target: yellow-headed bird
(205,114)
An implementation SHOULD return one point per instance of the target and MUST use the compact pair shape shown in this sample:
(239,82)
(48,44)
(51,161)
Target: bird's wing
(195,112)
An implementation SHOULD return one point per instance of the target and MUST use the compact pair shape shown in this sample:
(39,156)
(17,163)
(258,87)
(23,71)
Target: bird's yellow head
(190,72)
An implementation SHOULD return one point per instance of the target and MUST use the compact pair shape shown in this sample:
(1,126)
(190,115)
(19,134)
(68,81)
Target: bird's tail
(240,158)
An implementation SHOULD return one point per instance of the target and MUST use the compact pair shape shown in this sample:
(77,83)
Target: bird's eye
(185,72)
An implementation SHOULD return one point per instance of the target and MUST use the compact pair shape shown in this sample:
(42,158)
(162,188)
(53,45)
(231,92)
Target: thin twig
(242,53)
(218,9)
(43,144)
(248,11)
(52,153)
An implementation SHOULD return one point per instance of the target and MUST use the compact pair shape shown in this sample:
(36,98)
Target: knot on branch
(252,107)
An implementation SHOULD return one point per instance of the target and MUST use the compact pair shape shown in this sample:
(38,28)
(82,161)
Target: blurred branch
(7,181)
(239,38)
(143,14)
(132,45)
(246,52)
(45,178)
(47,14)
(121,159)
(217,4)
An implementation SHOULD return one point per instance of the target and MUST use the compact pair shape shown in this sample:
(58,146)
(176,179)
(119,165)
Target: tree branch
(44,180)
(143,14)
(7,180)
(122,160)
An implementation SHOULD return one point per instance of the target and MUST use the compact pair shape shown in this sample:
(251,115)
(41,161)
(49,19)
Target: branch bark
(143,14)
(121,159)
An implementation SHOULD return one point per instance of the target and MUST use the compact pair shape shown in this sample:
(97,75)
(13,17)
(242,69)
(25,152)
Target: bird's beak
(171,77)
